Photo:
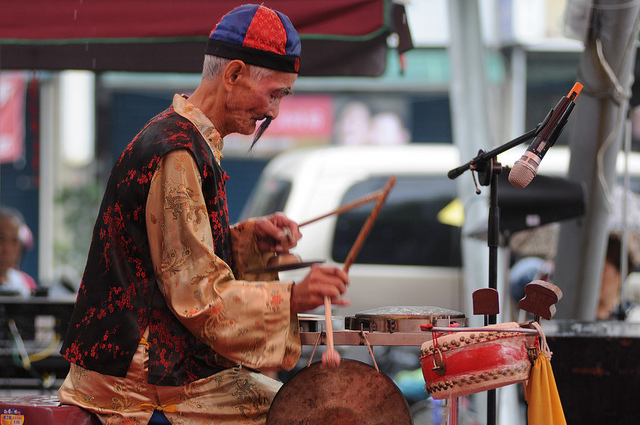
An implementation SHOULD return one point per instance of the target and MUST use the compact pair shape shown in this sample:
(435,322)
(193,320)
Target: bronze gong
(353,393)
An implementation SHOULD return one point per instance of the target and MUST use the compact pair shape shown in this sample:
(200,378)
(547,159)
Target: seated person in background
(15,237)
(610,304)
(525,271)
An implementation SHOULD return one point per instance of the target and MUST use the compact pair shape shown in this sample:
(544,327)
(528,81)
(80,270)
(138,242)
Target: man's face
(254,101)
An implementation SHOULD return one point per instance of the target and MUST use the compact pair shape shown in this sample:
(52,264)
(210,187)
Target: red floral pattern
(119,296)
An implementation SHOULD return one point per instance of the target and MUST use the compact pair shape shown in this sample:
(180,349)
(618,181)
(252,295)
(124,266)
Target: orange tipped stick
(575,91)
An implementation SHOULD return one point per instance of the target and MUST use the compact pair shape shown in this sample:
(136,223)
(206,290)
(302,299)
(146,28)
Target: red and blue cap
(258,36)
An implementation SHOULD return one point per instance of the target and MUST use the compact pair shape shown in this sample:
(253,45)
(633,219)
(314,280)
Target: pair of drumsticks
(331,357)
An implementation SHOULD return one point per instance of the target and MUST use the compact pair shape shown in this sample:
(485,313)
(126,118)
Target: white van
(409,258)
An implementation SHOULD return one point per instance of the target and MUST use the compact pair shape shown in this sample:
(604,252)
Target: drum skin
(353,393)
(403,319)
(465,363)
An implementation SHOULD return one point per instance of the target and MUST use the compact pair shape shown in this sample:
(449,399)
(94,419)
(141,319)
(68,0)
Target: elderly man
(166,320)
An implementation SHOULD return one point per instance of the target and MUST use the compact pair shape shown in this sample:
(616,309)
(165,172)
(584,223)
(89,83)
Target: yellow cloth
(542,395)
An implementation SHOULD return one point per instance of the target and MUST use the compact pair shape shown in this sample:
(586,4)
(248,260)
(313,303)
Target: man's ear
(233,73)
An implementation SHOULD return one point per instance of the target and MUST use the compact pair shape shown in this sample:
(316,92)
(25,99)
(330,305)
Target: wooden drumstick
(366,227)
(287,232)
(331,356)
(367,198)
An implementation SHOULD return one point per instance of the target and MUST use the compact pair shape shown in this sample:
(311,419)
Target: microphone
(526,168)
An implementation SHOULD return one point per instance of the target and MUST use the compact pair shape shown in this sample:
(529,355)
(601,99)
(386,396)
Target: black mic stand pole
(487,167)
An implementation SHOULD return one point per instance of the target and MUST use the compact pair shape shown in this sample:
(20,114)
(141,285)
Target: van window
(267,198)
(407,231)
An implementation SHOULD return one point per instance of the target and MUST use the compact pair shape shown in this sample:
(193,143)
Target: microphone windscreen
(524,170)
(520,175)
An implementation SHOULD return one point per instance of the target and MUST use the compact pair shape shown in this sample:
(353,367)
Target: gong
(353,393)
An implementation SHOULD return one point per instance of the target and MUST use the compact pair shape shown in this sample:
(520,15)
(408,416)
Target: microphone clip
(485,168)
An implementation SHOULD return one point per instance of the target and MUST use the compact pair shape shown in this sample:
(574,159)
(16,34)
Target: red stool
(45,410)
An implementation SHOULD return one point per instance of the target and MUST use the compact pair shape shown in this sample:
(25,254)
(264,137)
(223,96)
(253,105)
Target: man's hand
(276,233)
(321,281)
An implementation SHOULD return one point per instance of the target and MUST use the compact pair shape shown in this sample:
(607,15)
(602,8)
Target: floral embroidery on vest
(119,296)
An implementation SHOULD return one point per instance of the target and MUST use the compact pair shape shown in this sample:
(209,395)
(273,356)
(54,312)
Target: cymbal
(284,267)
(353,393)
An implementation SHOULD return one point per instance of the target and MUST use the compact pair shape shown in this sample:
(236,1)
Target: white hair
(213,66)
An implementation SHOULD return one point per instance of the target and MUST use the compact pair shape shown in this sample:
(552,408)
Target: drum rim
(380,312)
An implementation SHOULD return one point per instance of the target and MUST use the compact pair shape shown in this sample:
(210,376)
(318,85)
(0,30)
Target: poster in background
(12,115)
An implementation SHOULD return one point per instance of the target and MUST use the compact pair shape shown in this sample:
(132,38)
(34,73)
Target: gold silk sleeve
(246,322)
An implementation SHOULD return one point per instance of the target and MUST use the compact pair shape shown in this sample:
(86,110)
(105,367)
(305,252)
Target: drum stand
(487,168)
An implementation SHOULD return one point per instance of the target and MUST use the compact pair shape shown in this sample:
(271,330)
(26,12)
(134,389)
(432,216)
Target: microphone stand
(487,168)
(484,156)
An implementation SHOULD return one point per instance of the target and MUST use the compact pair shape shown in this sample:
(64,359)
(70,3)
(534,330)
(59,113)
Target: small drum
(403,319)
(467,362)
(352,393)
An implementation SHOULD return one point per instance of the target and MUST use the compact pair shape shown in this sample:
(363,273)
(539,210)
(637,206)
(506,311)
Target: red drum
(470,361)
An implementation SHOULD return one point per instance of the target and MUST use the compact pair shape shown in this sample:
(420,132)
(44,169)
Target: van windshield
(407,230)
(267,198)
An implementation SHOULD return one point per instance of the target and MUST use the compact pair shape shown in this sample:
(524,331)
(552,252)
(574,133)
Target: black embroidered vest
(119,296)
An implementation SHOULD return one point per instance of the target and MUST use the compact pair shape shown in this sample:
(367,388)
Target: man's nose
(274,109)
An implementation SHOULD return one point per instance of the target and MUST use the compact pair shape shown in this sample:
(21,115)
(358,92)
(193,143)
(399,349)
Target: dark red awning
(339,37)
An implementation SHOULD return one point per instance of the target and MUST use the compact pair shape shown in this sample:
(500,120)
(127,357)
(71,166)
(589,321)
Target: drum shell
(476,361)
